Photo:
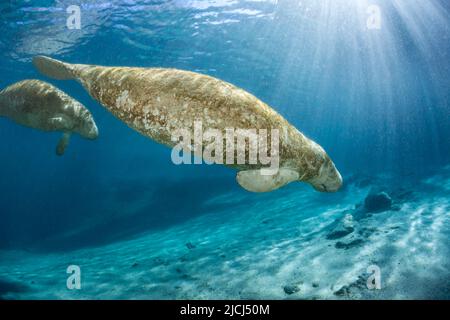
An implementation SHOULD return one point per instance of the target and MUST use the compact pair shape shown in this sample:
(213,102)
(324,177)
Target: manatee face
(329,178)
(87,127)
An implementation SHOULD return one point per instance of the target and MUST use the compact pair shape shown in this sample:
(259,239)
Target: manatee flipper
(254,181)
(63,143)
(53,68)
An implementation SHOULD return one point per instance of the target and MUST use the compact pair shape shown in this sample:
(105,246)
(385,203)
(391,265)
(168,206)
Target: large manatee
(39,105)
(157,102)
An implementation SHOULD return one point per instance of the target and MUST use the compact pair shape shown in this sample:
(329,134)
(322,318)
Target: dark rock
(339,234)
(367,232)
(161,261)
(351,290)
(190,246)
(342,292)
(343,227)
(348,245)
(186,276)
(378,202)
(291,289)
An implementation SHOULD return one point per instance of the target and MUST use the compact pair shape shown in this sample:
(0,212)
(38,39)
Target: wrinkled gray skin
(156,102)
(39,105)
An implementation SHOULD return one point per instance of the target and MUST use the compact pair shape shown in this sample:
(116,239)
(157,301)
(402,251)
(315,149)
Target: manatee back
(157,101)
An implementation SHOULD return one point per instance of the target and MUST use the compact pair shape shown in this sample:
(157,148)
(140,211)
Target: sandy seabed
(293,244)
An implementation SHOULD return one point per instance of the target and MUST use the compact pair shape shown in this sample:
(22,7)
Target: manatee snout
(91,132)
(333,183)
(89,129)
(329,178)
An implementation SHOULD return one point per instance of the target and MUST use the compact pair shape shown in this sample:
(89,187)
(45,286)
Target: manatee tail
(54,68)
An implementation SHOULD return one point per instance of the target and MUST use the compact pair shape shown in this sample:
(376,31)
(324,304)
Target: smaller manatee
(39,105)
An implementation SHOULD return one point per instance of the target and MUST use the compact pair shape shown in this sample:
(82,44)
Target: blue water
(377,100)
